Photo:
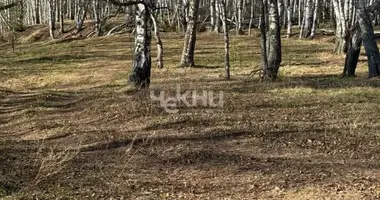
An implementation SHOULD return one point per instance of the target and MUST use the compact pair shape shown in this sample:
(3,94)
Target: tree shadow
(206,67)
(160,140)
(19,101)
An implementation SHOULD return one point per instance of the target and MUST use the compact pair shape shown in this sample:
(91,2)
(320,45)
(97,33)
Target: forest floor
(71,128)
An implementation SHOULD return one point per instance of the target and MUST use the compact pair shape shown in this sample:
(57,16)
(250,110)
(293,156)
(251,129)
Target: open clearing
(70,128)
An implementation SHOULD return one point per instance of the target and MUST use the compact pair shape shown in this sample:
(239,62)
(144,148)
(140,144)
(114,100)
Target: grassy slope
(310,135)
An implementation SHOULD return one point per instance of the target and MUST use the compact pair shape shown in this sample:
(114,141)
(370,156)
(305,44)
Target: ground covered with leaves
(72,128)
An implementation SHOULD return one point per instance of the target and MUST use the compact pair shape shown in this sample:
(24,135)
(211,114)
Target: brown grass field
(72,128)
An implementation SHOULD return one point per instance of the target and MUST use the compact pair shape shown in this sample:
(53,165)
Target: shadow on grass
(60,58)
(159,140)
(207,67)
(19,101)
(323,82)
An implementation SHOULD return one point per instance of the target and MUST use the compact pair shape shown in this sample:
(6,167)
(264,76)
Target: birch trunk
(369,41)
(273,43)
(263,38)
(159,59)
(353,52)
(51,18)
(97,21)
(212,15)
(222,8)
(251,16)
(141,68)
(239,19)
(340,32)
(315,19)
(187,59)
(307,20)
(290,6)
(61,16)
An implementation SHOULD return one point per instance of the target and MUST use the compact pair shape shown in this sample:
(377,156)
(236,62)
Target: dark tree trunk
(61,16)
(263,38)
(354,43)
(37,11)
(369,40)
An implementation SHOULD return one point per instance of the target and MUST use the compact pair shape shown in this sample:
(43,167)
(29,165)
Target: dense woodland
(351,21)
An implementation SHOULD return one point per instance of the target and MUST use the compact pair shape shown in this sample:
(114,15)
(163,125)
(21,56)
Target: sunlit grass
(286,139)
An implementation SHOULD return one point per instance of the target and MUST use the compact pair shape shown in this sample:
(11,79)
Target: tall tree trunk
(300,8)
(281,16)
(187,59)
(353,52)
(263,37)
(290,9)
(81,14)
(239,20)
(307,20)
(369,40)
(222,8)
(315,19)
(355,40)
(212,14)
(160,51)
(37,11)
(273,43)
(251,16)
(217,18)
(141,69)
(51,18)
(61,16)
(340,32)
(97,21)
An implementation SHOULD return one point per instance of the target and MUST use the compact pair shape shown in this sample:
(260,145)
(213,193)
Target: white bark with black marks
(160,51)
(315,19)
(340,32)
(289,12)
(369,40)
(271,41)
(140,76)
(187,58)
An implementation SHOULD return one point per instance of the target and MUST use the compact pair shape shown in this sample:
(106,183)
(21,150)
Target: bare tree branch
(128,3)
(4,7)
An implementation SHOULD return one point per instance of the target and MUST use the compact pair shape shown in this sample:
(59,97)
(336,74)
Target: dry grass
(310,135)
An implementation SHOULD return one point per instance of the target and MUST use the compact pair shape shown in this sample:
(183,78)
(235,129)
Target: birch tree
(141,63)
(315,19)
(369,41)
(289,11)
(364,16)
(340,31)
(52,18)
(187,58)
(222,8)
(307,21)
(270,40)
(160,51)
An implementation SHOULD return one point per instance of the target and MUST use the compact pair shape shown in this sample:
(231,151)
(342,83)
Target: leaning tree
(362,32)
